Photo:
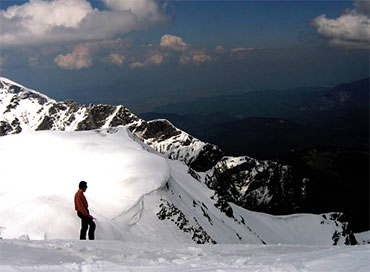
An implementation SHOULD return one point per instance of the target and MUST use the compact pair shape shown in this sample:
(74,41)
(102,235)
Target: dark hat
(82,184)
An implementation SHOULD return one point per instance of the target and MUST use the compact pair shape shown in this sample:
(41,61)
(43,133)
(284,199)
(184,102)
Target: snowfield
(61,256)
(42,171)
(150,214)
(136,194)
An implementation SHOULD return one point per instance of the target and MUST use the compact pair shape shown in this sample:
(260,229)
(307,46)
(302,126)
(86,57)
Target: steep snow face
(41,171)
(21,107)
(135,193)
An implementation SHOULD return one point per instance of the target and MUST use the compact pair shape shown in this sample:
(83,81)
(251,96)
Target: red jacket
(81,204)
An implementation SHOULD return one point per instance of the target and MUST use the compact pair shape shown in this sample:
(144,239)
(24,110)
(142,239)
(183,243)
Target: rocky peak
(19,92)
(22,109)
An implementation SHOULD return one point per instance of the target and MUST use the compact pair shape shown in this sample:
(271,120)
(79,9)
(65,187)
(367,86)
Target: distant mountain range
(257,121)
(291,104)
(344,96)
(266,103)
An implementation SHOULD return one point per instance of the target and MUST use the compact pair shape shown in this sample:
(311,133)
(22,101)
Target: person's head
(82,185)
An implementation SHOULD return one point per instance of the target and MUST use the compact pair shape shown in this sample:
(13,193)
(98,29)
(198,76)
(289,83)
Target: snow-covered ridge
(135,193)
(199,213)
(13,87)
(22,109)
(363,237)
(38,200)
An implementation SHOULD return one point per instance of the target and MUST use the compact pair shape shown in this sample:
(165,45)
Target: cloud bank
(173,42)
(115,58)
(241,49)
(220,49)
(171,49)
(83,54)
(195,56)
(60,21)
(350,30)
(144,9)
(154,59)
(79,58)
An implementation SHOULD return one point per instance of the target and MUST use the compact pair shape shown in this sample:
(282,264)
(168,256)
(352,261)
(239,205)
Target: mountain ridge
(272,103)
(137,194)
(203,159)
(159,134)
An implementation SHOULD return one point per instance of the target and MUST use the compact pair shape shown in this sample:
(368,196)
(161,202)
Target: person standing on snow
(81,206)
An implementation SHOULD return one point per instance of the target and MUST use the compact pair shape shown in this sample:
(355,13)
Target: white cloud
(144,9)
(82,54)
(173,42)
(79,58)
(115,58)
(60,21)
(201,58)
(350,30)
(241,49)
(185,59)
(195,56)
(115,52)
(136,64)
(220,49)
(37,19)
(156,59)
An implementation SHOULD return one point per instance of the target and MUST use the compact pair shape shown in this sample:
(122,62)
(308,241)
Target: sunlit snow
(42,170)
(112,256)
(127,183)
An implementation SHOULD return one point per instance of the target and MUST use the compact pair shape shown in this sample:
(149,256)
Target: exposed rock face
(169,212)
(339,220)
(253,184)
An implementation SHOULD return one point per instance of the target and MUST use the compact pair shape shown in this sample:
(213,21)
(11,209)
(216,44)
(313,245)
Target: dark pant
(85,223)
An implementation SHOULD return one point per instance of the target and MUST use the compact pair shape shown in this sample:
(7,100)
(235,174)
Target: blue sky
(263,24)
(145,53)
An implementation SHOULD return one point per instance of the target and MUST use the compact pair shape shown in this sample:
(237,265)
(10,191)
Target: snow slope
(363,237)
(136,194)
(76,256)
(41,172)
